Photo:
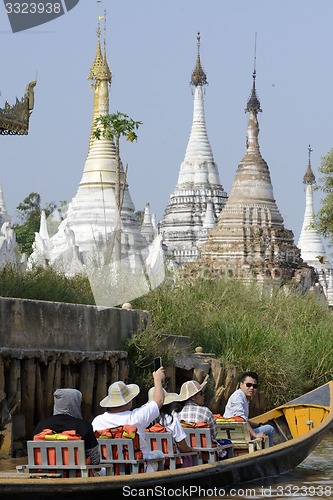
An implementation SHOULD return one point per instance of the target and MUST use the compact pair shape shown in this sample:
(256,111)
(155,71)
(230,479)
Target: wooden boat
(299,426)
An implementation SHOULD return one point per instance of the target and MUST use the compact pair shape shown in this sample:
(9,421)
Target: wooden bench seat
(163,441)
(66,458)
(200,438)
(239,434)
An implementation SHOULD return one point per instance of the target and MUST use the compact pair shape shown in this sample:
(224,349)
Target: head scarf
(67,402)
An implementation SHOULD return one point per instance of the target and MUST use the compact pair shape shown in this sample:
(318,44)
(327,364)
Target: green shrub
(45,284)
(286,338)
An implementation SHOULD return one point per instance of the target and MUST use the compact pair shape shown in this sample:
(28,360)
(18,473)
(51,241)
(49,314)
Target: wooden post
(123,369)
(14,387)
(28,388)
(113,364)
(49,388)
(101,388)
(6,441)
(40,393)
(57,376)
(87,378)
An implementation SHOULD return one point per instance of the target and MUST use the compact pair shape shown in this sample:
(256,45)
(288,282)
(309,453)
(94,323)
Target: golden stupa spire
(309,177)
(100,69)
(199,77)
(101,77)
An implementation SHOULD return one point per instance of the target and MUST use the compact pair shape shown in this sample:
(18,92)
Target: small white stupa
(310,243)
(9,250)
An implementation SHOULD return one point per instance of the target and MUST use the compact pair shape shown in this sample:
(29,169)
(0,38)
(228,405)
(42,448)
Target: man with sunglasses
(238,405)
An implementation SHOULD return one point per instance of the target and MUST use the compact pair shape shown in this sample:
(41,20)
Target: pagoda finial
(199,77)
(309,177)
(100,69)
(253,104)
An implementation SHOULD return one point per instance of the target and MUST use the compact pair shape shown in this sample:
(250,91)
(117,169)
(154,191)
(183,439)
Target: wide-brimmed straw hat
(189,389)
(169,397)
(120,394)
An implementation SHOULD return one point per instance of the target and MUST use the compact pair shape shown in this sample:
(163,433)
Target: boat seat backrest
(66,458)
(164,442)
(56,453)
(116,449)
(239,434)
(200,438)
(120,453)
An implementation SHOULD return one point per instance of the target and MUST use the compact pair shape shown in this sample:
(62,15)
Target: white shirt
(237,405)
(139,417)
(173,425)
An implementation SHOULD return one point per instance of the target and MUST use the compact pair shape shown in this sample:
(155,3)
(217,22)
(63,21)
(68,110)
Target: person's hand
(159,375)
(260,435)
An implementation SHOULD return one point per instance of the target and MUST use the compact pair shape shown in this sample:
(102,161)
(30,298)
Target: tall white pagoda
(310,242)
(85,236)
(198,198)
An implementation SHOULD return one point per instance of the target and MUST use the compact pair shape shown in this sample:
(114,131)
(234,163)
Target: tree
(113,127)
(324,222)
(29,213)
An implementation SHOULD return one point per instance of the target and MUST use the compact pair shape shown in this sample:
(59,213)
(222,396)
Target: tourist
(67,417)
(118,404)
(170,422)
(192,409)
(238,405)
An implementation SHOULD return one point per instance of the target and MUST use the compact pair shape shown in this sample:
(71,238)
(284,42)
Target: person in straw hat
(171,423)
(118,404)
(192,409)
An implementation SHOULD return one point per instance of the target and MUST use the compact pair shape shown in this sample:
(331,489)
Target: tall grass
(286,338)
(44,284)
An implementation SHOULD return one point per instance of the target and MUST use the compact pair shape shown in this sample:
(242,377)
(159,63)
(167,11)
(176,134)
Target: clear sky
(151,49)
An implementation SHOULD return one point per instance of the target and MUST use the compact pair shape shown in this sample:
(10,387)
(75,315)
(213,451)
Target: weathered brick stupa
(198,197)
(83,236)
(249,240)
(310,242)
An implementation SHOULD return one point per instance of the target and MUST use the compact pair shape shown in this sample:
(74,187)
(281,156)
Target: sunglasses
(248,384)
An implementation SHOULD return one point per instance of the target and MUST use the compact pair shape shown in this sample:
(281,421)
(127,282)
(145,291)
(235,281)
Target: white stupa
(9,250)
(4,216)
(310,242)
(198,197)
